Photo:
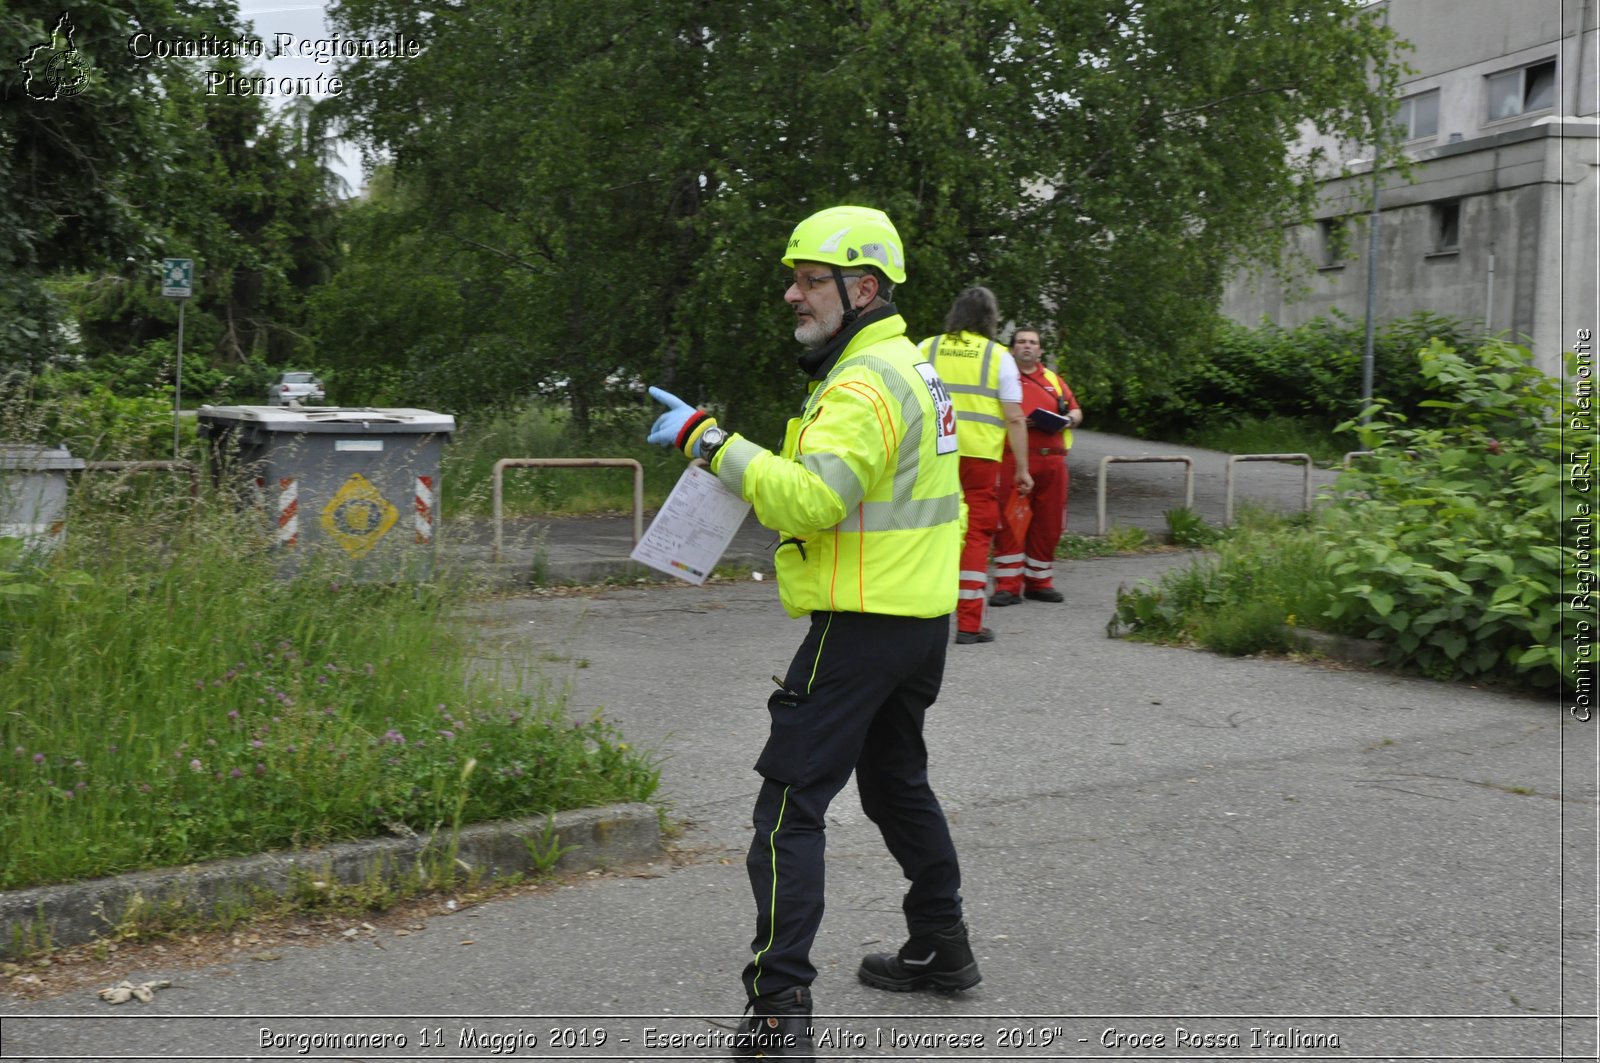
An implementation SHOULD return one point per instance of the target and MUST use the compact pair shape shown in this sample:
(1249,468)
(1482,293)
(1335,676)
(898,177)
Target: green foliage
(143,164)
(1274,434)
(546,850)
(1083,547)
(156,712)
(80,411)
(1276,390)
(1185,527)
(619,215)
(1262,578)
(1445,545)
(1127,539)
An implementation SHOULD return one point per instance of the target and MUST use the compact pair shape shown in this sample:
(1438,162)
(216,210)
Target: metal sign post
(177,282)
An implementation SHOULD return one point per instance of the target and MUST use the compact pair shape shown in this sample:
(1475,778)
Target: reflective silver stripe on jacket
(981,388)
(903,511)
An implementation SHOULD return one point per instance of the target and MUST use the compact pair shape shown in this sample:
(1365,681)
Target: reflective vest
(866,493)
(969,365)
(1056,388)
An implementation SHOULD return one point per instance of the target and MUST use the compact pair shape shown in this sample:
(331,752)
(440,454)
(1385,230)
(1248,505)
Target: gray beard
(812,334)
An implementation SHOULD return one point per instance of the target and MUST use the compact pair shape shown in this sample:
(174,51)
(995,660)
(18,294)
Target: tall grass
(1264,577)
(165,698)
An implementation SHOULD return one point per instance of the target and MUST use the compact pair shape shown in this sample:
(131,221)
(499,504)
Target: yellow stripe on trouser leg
(772,910)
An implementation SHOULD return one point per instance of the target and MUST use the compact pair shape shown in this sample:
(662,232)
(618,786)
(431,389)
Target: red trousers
(979,484)
(1032,559)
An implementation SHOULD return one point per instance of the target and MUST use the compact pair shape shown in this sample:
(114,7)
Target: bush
(1446,543)
(85,415)
(1261,580)
(1443,545)
(1308,377)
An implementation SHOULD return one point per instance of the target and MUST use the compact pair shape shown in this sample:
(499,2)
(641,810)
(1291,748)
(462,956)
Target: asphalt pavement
(1166,854)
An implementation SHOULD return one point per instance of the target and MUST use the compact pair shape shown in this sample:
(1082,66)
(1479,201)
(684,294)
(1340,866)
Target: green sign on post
(177,282)
(177,278)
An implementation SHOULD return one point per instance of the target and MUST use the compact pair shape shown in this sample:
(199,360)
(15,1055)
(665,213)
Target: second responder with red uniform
(1025,568)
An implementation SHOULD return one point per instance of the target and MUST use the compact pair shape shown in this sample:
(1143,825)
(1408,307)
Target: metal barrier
(1188,480)
(1227,518)
(568,463)
(150,466)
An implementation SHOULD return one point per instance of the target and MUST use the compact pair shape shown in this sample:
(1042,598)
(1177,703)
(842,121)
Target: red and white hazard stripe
(424,514)
(288,512)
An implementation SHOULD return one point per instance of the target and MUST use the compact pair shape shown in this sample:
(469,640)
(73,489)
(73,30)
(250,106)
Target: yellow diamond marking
(357,516)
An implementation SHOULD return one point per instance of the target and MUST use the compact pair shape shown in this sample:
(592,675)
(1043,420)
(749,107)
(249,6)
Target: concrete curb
(78,913)
(1342,647)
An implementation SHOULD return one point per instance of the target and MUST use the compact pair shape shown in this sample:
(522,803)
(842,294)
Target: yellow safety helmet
(849,237)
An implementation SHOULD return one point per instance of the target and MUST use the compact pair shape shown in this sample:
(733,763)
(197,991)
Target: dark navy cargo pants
(853,699)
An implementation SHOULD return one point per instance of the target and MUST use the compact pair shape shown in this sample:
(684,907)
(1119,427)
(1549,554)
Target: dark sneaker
(967,638)
(1046,594)
(999,598)
(941,960)
(778,1027)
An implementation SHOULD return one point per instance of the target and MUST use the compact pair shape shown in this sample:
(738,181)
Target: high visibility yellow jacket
(866,493)
(969,364)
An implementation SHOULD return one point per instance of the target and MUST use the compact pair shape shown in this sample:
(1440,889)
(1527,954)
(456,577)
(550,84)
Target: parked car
(302,388)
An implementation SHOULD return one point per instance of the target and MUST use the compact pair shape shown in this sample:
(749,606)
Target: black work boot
(939,959)
(778,1027)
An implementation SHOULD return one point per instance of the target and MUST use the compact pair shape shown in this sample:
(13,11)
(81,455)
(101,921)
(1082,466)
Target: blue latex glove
(681,426)
(669,425)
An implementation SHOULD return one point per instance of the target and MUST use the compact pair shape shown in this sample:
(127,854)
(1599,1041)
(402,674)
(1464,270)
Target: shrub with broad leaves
(1445,542)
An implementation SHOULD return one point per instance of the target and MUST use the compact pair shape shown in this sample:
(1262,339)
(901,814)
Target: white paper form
(694,527)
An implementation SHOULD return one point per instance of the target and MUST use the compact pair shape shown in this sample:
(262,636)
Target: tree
(618,179)
(77,172)
(142,163)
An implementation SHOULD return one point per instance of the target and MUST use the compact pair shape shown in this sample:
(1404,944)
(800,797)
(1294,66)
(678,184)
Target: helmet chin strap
(850,312)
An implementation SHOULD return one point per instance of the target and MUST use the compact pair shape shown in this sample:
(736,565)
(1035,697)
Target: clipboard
(694,527)
(1048,420)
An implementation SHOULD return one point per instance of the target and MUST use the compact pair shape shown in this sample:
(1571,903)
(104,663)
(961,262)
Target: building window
(1419,116)
(1522,91)
(1333,243)
(1447,226)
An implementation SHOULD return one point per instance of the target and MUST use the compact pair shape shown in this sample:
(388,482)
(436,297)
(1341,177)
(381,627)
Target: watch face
(711,439)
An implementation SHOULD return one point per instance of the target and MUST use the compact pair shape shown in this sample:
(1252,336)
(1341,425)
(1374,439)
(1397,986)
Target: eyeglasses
(812,280)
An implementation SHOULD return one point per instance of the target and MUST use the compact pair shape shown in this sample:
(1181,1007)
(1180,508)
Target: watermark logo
(55,70)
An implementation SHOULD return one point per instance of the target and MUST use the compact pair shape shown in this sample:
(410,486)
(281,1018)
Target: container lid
(330,419)
(32,457)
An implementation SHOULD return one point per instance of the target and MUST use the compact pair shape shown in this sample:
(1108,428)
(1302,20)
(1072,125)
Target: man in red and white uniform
(1025,568)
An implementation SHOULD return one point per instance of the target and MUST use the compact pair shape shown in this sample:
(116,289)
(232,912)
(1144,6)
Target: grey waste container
(33,493)
(359,486)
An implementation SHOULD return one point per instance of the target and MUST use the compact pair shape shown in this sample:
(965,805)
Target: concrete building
(1498,222)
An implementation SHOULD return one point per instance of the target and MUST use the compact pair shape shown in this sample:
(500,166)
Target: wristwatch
(710,441)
